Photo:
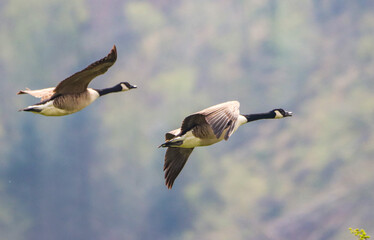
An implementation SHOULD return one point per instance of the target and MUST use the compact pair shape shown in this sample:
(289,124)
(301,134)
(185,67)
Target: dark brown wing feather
(219,117)
(192,121)
(172,134)
(175,159)
(79,81)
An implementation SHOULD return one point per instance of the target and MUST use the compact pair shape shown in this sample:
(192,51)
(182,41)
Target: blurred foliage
(97,174)
(360,234)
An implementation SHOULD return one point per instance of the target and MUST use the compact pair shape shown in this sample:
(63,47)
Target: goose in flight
(72,95)
(204,128)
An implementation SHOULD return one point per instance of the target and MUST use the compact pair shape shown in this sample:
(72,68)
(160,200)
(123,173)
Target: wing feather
(191,121)
(175,159)
(172,134)
(43,94)
(220,117)
(79,81)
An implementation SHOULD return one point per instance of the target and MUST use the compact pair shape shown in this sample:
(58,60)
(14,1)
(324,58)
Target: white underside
(48,109)
(190,141)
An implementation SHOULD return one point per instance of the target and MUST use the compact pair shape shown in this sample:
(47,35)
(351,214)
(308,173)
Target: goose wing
(43,94)
(175,159)
(172,134)
(219,117)
(79,81)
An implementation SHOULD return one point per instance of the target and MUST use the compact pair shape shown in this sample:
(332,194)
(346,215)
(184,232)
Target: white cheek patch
(278,114)
(124,87)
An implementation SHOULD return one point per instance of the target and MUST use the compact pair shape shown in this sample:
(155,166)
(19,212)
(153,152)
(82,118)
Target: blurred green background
(97,174)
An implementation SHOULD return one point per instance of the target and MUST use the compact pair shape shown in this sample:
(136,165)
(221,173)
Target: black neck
(259,116)
(104,91)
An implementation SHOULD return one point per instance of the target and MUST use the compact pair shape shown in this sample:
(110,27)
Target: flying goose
(204,128)
(72,95)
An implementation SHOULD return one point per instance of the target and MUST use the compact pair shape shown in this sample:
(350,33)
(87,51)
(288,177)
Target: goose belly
(50,110)
(191,141)
(67,104)
(207,138)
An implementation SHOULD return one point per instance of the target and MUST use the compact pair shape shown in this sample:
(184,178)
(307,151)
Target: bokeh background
(97,174)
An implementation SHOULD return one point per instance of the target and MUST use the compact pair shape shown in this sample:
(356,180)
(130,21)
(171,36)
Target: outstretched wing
(219,117)
(175,159)
(79,81)
(43,94)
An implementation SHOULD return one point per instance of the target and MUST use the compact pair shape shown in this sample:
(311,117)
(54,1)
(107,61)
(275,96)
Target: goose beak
(288,114)
(133,86)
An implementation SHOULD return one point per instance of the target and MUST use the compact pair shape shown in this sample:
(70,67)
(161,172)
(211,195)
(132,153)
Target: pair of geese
(202,128)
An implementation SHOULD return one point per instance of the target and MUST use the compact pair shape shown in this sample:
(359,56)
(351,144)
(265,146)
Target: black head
(126,86)
(280,113)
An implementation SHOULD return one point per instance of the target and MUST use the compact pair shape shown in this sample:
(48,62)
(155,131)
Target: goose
(205,128)
(72,95)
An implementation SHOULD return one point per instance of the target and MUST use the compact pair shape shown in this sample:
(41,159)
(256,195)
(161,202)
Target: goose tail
(171,144)
(30,109)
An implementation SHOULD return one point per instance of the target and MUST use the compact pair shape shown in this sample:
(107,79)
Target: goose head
(125,86)
(280,113)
